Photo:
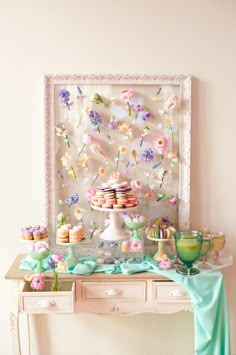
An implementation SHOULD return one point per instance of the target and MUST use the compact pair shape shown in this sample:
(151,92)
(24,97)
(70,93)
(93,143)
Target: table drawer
(48,301)
(169,292)
(122,291)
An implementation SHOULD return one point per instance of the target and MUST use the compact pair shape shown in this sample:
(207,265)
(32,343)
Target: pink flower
(87,138)
(136,245)
(136,185)
(56,258)
(38,282)
(90,193)
(126,95)
(170,103)
(165,264)
(160,143)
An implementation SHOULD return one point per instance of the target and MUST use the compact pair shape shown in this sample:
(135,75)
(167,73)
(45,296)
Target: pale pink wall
(108,36)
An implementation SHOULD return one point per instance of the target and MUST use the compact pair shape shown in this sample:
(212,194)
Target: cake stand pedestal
(71,258)
(114,231)
(161,248)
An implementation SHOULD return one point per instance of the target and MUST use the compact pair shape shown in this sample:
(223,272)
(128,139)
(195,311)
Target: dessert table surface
(207,291)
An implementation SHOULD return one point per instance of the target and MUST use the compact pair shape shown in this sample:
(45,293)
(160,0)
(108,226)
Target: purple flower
(113,124)
(51,264)
(140,108)
(72,200)
(146,116)
(65,97)
(95,120)
(148,154)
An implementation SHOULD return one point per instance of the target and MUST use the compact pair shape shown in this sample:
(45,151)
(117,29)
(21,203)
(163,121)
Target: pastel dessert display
(160,231)
(135,222)
(70,234)
(36,232)
(114,195)
(39,251)
(117,253)
(76,234)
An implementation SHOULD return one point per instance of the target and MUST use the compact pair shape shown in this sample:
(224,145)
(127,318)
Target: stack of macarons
(70,234)
(118,195)
(36,232)
(76,234)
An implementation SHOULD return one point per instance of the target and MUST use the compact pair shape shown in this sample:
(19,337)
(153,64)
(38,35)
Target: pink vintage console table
(120,294)
(98,293)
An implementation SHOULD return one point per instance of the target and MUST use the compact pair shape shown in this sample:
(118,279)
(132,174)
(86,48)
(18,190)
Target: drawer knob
(113,292)
(178,293)
(46,304)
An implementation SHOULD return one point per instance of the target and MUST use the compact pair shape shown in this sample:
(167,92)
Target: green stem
(129,110)
(81,150)
(55,281)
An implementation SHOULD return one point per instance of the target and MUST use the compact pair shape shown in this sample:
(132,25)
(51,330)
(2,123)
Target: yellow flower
(85,109)
(61,266)
(83,161)
(125,128)
(28,277)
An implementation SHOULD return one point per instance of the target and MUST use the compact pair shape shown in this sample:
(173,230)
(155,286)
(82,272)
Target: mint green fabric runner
(207,291)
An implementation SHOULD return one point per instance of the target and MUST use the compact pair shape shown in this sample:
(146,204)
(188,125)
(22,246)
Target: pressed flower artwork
(132,128)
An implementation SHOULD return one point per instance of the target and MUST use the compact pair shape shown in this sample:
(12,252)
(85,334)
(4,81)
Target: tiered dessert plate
(114,232)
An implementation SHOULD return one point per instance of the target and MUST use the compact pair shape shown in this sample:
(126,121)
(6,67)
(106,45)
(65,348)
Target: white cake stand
(114,231)
(71,258)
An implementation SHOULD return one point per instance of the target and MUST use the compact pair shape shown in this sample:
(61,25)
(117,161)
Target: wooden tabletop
(14,273)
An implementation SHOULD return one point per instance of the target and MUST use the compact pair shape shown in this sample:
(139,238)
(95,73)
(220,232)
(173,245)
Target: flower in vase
(55,263)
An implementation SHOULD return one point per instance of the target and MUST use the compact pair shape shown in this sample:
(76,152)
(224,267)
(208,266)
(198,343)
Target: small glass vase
(56,284)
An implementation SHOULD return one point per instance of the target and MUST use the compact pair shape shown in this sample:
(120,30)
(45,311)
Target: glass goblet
(205,265)
(189,249)
(173,249)
(39,257)
(218,243)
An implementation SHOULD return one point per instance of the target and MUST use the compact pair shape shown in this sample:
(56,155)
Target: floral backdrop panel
(132,129)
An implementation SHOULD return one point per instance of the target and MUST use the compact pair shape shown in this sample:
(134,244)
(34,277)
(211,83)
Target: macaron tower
(114,195)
